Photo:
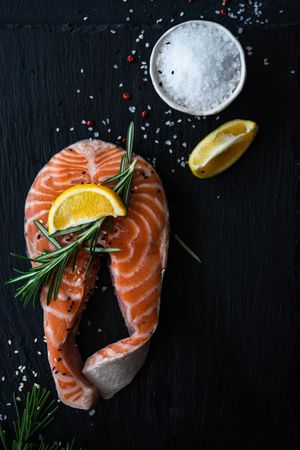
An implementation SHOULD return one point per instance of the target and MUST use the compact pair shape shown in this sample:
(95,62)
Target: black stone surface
(223,368)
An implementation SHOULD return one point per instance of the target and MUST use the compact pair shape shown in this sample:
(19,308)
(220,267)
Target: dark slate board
(223,368)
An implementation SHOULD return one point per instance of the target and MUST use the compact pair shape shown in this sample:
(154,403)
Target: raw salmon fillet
(137,271)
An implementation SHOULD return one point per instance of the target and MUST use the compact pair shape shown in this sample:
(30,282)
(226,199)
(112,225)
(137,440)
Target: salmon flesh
(137,271)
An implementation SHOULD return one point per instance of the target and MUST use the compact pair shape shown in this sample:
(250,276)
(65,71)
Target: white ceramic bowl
(170,101)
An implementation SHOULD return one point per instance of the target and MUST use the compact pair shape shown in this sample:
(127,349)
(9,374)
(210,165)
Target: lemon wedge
(222,148)
(82,204)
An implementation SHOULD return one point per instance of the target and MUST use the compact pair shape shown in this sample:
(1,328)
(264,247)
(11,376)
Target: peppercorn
(223,11)
(126,96)
(130,58)
(144,114)
(90,123)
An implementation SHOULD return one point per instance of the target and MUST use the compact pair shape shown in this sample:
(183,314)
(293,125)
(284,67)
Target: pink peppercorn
(130,58)
(126,96)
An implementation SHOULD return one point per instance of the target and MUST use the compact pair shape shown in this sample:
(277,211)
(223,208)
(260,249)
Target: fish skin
(137,271)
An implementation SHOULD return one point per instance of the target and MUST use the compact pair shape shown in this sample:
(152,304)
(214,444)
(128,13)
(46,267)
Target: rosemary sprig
(125,175)
(187,249)
(49,267)
(38,413)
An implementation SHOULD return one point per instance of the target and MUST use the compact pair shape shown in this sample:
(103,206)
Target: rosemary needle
(187,249)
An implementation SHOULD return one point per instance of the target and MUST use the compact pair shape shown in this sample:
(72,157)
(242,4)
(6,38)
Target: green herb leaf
(129,142)
(46,234)
(187,249)
(103,249)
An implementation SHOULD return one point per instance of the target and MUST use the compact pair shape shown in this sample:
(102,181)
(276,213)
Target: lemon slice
(222,148)
(82,204)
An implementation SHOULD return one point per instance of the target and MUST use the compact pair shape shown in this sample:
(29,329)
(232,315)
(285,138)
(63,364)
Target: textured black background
(223,368)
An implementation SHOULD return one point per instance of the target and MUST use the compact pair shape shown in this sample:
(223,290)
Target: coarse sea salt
(198,66)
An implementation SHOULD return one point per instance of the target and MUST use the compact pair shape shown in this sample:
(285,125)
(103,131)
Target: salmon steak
(136,271)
